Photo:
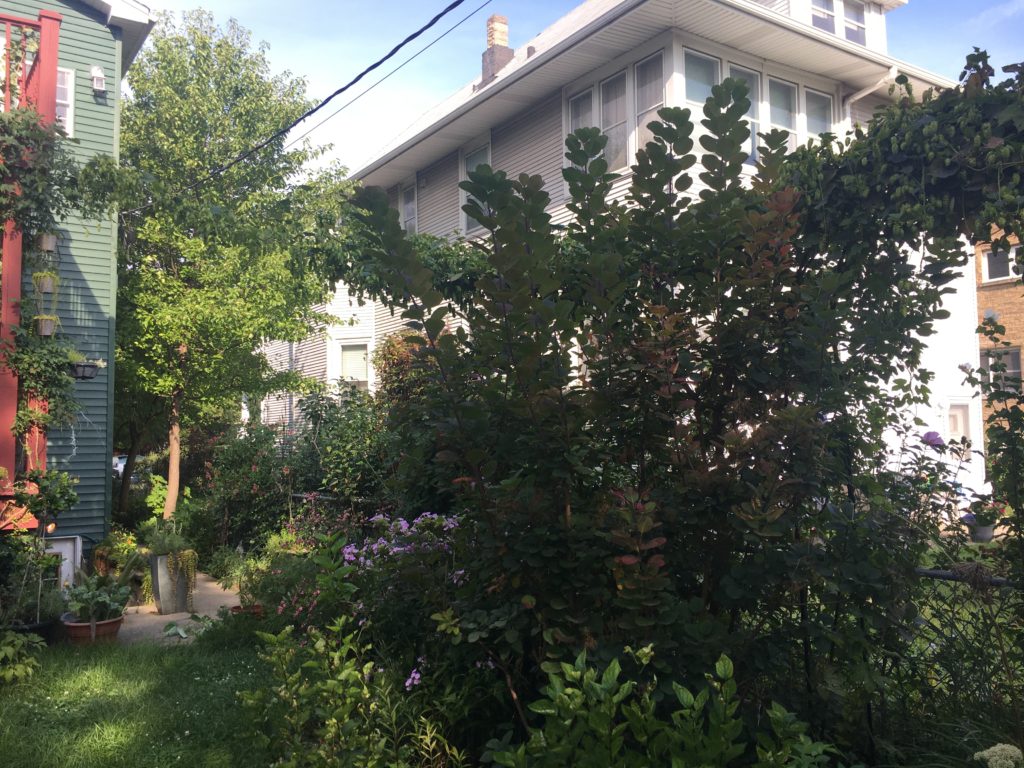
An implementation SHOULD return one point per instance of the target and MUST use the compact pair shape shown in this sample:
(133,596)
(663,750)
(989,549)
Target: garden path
(143,624)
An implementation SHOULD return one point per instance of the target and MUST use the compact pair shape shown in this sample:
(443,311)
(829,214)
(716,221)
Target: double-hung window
(753,82)
(1002,367)
(823,15)
(66,100)
(819,113)
(855,23)
(702,74)
(650,97)
(782,113)
(354,366)
(998,265)
(470,162)
(621,106)
(409,209)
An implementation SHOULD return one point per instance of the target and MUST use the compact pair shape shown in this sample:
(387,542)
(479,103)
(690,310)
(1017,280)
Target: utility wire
(278,134)
(416,55)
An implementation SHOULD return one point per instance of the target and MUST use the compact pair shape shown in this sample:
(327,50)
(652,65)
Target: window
(819,113)
(66,100)
(998,265)
(650,97)
(470,162)
(613,121)
(782,108)
(354,369)
(823,15)
(409,209)
(581,111)
(856,28)
(753,81)
(959,422)
(702,74)
(1002,367)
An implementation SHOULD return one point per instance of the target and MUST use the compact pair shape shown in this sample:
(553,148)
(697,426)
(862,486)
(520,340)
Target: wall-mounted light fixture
(99,80)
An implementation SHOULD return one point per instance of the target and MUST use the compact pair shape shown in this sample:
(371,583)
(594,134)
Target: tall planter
(170,587)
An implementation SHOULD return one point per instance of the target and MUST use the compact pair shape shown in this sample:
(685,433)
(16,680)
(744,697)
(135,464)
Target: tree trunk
(173,458)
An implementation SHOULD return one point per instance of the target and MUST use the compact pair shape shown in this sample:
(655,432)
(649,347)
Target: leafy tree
(668,423)
(212,262)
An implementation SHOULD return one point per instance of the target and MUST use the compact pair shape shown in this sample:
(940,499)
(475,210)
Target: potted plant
(45,281)
(46,325)
(172,564)
(245,576)
(983,519)
(96,606)
(80,368)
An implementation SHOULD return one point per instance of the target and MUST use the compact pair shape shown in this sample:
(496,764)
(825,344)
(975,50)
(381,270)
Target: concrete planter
(170,590)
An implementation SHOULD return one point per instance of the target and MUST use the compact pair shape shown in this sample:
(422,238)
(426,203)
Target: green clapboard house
(81,51)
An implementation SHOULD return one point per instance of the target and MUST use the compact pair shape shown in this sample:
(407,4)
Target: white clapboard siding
(533,143)
(437,198)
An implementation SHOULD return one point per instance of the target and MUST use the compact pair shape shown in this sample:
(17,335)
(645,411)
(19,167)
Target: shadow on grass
(140,705)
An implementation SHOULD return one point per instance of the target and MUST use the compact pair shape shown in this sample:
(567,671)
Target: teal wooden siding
(88,265)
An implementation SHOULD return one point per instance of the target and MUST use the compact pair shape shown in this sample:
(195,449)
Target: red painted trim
(10,317)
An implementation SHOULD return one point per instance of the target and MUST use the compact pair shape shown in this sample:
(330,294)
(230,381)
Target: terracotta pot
(48,242)
(253,610)
(84,632)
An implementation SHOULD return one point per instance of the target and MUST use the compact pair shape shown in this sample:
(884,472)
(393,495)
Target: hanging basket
(83,370)
(46,325)
(981,534)
(48,242)
(46,283)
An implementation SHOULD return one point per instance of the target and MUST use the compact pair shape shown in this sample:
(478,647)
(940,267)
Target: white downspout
(849,101)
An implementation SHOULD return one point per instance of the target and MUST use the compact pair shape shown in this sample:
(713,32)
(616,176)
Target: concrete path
(143,624)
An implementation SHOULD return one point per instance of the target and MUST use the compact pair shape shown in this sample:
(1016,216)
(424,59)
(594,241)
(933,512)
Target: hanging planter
(48,242)
(46,282)
(83,369)
(981,534)
(46,325)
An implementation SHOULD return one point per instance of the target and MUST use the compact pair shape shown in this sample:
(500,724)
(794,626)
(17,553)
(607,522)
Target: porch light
(99,80)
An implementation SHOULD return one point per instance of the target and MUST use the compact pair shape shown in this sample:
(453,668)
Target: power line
(278,134)
(416,55)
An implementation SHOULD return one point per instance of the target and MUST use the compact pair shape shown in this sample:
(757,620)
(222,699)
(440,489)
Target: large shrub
(669,422)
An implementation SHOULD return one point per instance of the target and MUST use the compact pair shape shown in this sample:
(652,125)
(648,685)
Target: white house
(813,66)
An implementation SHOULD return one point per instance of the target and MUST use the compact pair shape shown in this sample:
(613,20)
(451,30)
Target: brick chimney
(498,54)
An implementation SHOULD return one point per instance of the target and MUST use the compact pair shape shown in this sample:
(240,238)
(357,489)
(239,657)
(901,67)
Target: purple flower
(933,439)
(413,680)
(969,519)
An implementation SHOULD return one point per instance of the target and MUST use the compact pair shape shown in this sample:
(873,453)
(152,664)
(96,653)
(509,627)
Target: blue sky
(329,41)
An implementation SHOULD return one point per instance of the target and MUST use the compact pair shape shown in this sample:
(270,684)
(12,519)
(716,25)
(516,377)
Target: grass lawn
(138,706)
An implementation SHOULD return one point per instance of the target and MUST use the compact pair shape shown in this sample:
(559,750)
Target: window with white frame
(409,209)
(803,112)
(823,15)
(621,106)
(354,366)
(1002,367)
(998,265)
(66,100)
(855,22)
(753,82)
(959,422)
(470,162)
(650,96)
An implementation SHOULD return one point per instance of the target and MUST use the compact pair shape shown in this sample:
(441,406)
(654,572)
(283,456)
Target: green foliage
(244,495)
(41,365)
(204,280)
(161,537)
(40,183)
(1001,756)
(98,597)
(328,705)
(592,719)
(46,494)
(30,590)
(668,423)
(18,655)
